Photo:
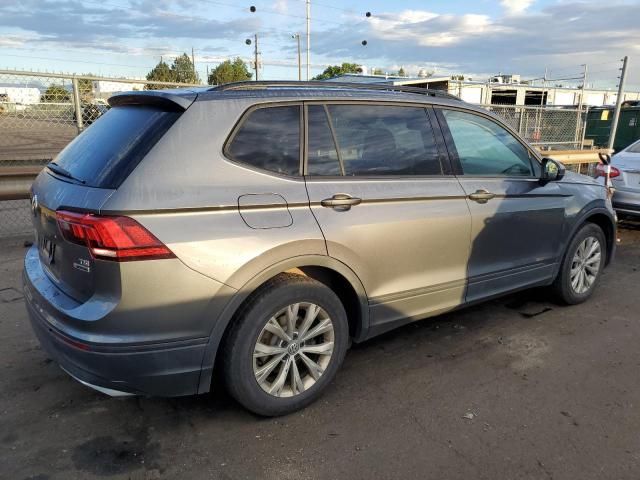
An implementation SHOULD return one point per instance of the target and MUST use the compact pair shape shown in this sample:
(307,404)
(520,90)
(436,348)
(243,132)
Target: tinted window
(322,155)
(269,139)
(486,148)
(384,140)
(108,151)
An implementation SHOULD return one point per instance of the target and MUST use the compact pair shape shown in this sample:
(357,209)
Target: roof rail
(264,84)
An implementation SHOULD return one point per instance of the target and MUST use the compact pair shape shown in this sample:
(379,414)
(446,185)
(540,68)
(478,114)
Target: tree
(183,70)
(401,72)
(161,73)
(229,71)
(85,88)
(55,94)
(336,70)
(180,71)
(378,71)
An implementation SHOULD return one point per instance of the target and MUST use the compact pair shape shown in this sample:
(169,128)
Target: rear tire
(582,265)
(285,346)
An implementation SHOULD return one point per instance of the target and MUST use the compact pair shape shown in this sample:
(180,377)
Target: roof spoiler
(174,100)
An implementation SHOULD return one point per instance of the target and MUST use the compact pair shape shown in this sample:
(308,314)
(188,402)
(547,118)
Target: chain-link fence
(547,127)
(39,115)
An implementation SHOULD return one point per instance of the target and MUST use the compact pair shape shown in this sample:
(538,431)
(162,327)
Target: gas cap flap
(264,210)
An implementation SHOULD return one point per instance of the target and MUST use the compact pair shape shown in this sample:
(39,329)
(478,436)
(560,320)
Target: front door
(516,221)
(380,187)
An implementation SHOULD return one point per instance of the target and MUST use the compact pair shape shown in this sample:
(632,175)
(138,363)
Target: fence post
(521,131)
(77,107)
(584,126)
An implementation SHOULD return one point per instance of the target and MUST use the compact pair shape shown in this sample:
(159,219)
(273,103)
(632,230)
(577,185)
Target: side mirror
(552,171)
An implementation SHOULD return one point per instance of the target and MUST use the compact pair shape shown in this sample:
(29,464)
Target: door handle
(341,202)
(481,196)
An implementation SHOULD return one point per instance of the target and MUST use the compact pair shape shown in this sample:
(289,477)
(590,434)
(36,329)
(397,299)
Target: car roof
(318,90)
(269,91)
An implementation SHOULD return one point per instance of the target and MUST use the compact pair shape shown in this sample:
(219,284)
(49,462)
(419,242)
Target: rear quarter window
(106,153)
(268,138)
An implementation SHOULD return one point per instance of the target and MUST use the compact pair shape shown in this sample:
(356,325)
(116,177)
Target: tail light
(601,171)
(120,239)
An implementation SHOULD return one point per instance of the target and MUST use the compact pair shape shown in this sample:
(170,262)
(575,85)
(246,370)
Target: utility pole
(255,53)
(581,103)
(308,39)
(193,64)
(616,113)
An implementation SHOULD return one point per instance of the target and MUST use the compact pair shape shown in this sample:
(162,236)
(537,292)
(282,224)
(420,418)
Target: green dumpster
(599,126)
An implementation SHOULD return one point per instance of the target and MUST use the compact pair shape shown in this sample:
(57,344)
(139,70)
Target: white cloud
(480,44)
(431,29)
(515,7)
(281,6)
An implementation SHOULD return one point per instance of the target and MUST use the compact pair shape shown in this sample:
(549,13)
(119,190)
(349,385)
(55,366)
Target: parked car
(260,228)
(625,178)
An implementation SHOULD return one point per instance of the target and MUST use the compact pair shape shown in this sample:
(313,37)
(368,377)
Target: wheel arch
(606,221)
(327,270)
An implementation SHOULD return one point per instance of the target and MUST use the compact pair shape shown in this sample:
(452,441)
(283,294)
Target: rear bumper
(162,369)
(626,202)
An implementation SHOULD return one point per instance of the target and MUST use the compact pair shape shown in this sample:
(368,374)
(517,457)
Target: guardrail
(15,182)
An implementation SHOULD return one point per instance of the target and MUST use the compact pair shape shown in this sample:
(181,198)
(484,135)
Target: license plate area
(47,249)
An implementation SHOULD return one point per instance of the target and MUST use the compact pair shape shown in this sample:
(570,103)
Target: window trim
(244,116)
(453,152)
(443,157)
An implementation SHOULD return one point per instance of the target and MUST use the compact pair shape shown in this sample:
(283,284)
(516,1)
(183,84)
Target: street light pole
(308,38)
(297,37)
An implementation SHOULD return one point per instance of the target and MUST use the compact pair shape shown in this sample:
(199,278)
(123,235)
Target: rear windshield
(108,151)
(634,148)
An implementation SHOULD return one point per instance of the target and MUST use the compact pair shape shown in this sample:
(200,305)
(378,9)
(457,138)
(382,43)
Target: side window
(321,155)
(485,148)
(380,140)
(269,138)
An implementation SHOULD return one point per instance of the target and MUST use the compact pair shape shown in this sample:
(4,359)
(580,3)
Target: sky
(475,38)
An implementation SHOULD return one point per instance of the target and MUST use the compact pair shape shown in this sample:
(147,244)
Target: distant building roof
(356,78)
(388,80)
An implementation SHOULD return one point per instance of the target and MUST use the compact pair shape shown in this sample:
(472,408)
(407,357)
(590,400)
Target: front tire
(582,265)
(286,345)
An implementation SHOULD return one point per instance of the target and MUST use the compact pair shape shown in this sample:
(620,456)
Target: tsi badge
(83,265)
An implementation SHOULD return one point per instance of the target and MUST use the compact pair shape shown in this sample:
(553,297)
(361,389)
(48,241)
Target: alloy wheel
(293,349)
(585,266)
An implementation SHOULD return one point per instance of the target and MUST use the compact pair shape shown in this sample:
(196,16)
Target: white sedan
(625,178)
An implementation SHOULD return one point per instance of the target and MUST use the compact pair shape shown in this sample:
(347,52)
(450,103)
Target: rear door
(516,221)
(381,189)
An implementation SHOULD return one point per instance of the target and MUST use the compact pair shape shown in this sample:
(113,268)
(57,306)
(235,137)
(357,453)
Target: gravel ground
(517,388)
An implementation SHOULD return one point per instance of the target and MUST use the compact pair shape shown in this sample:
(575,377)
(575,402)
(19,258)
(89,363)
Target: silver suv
(257,229)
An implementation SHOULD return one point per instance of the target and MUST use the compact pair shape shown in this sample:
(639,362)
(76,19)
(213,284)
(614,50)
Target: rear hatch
(74,242)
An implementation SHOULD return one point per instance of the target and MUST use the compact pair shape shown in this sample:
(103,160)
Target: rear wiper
(57,169)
